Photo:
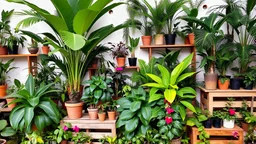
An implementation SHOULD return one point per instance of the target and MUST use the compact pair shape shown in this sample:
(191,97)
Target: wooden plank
(18,55)
(229,90)
(167,46)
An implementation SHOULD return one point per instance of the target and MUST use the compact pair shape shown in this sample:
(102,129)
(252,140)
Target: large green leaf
(189,106)
(155,111)
(73,41)
(135,106)
(120,123)
(143,129)
(187,90)
(16,115)
(155,78)
(3,124)
(56,23)
(132,124)
(177,124)
(175,131)
(49,110)
(8,131)
(182,111)
(126,115)
(184,76)
(33,35)
(170,95)
(30,85)
(124,102)
(28,115)
(33,101)
(165,75)
(154,85)
(39,122)
(146,112)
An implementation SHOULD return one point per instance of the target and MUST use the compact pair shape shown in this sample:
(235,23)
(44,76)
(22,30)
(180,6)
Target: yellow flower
(40,140)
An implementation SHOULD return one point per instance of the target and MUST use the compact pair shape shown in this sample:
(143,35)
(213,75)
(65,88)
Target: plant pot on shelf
(2,141)
(228,123)
(95,62)
(159,39)
(210,81)
(45,50)
(186,40)
(235,83)
(208,123)
(191,38)
(9,100)
(146,40)
(170,39)
(3,89)
(225,85)
(111,115)
(14,50)
(216,122)
(175,141)
(132,61)
(120,61)
(64,142)
(93,113)
(74,110)
(245,126)
(248,87)
(33,50)
(102,116)
(3,50)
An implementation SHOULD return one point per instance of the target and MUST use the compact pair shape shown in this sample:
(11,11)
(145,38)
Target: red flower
(76,128)
(169,110)
(232,112)
(168,120)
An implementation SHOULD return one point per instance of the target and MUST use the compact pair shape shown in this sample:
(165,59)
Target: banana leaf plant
(35,107)
(73,36)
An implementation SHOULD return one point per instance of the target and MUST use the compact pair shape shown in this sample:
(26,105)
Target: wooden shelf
(18,55)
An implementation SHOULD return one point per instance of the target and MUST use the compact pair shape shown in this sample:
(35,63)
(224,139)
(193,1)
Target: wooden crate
(216,99)
(218,135)
(95,128)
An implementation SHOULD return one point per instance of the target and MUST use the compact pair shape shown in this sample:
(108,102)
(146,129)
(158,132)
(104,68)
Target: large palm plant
(74,38)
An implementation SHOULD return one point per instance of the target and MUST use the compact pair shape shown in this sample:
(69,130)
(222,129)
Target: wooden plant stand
(88,125)
(218,135)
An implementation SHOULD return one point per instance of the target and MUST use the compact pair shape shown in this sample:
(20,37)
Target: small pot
(159,39)
(95,62)
(208,123)
(245,126)
(191,38)
(228,123)
(14,49)
(45,50)
(9,100)
(33,50)
(146,40)
(225,85)
(170,39)
(248,87)
(120,61)
(235,83)
(102,116)
(175,141)
(216,122)
(64,142)
(132,61)
(186,40)
(3,89)
(93,113)
(111,115)
(3,50)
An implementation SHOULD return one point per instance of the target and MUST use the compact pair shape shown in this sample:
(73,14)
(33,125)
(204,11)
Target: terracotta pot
(95,62)
(64,142)
(3,50)
(191,38)
(93,113)
(146,40)
(120,61)
(186,41)
(3,89)
(33,50)
(159,39)
(210,81)
(245,126)
(9,100)
(225,85)
(175,141)
(111,115)
(102,116)
(74,110)
(2,141)
(45,50)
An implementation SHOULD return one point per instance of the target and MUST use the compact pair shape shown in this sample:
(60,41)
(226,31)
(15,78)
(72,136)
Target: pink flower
(235,134)
(232,112)
(168,120)
(119,69)
(65,128)
(169,110)
(76,128)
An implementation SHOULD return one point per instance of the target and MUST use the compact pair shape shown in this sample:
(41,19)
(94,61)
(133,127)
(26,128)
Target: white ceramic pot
(228,123)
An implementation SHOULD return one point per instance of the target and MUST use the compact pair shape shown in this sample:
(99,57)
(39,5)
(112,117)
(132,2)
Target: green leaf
(73,41)
(156,85)
(177,124)
(126,115)
(135,106)
(33,101)
(56,22)
(187,90)
(170,95)
(155,78)
(8,131)
(184,76)
(124,102)
(28,115)
(50,110)
(30,85)
(176,72)
(131,125)
(3,124)
(163,130)
(16,115)
(155,112)
(189,106)
(146,112)
(182,111)
(143,129)
(190,122)
(120,123)
(40,122)
(170,135)
(175,131)
(165,75)
(202,118)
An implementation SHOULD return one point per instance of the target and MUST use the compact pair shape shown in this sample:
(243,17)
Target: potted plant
(34,103)
(4,69)
(111,109)
(45,48)
(250,137)
(34,138)
(33,47)
(217,118)
(171,10)
(14,41)
(5,131)
(97,90)
(102,112)
(249,79)
(133,45)
(63,134)
(244,113)
(119,51)
(108,140)
(80,137)
(4,30)
(229,114)
(12,90)
(206,39)
(207,123)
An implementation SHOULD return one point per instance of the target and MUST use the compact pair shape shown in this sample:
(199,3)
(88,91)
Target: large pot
(9,100)
(74,110)
(132,61)
(14,49)
(235,83)
(170,39)
(210,81)
(216,122)
(111,115)
(146,40)
(208,123)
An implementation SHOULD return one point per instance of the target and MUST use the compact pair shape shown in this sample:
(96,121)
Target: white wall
(119,15)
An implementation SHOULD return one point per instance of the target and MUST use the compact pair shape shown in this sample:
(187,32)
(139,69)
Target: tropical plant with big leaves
(35,107)
(206,38)
(73,36)
(166,87)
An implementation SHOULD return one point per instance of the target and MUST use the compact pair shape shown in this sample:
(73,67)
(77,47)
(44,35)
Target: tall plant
(74,38)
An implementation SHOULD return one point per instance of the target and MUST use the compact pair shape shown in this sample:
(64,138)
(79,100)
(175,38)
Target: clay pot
(64,142)
(146,40)
(120,61)
(3,89)
(102,116)
(210,81)
(9,100)
(45,50)
(191,38)
(245,126)
(33,50)
(2,141)
(111,115)
(186,41)
(225,85)
(93,113)
(74,110)
(95,62)
(175,141)
(159,39)
(3,50)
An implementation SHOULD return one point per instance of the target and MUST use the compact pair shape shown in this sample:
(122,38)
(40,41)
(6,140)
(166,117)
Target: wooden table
(218,135)
(211,99)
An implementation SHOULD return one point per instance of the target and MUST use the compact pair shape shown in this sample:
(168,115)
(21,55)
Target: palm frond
(32,19)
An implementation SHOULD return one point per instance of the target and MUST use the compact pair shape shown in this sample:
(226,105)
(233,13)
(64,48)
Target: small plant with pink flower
(80,137)
(63,133)
(229,112)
